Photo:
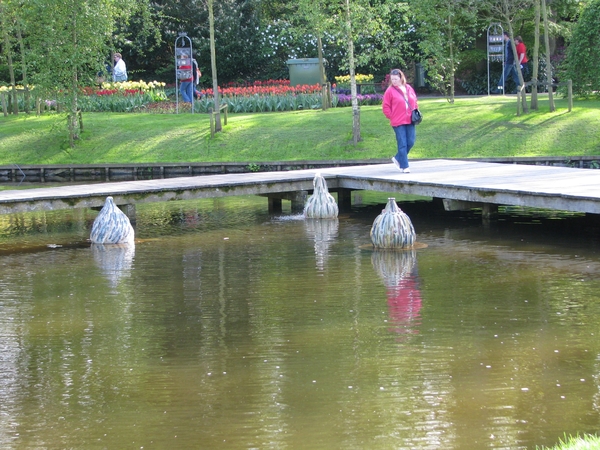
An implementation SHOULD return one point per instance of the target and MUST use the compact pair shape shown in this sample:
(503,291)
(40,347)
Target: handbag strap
(405,95)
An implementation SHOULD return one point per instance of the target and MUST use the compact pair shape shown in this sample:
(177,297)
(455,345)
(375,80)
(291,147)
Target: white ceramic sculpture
(320,205)
(112,226)
(392,228)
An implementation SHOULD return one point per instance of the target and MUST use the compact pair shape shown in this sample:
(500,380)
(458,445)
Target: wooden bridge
(462,185)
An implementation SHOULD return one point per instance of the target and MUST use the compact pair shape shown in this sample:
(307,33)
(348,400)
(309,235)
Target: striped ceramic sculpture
(111,226)
(320,205)
(392,228)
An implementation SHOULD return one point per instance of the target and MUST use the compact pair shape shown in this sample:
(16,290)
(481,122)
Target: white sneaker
(396,163)
(407,170)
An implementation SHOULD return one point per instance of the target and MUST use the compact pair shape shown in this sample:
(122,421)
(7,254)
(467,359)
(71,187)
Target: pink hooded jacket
(394,105)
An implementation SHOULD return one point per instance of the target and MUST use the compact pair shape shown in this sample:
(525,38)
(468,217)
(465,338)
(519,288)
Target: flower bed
(342,84)
(260,96)
(121,97)
(271,95)
(341,100)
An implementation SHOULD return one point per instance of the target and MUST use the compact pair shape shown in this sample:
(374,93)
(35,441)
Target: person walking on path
(522,57)
(509,66)
(399,101)
(186,86)
(120,70)
(196,74)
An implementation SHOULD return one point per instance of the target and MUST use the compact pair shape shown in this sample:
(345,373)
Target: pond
(227,327)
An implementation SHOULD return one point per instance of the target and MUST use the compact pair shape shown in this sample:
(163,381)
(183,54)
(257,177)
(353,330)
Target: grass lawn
(585,442)
(471,127)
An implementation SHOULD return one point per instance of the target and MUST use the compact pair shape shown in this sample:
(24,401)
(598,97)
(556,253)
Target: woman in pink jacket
(399,101)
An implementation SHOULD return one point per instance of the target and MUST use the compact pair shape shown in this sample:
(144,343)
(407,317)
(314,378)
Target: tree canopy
(255,38)
(583,52)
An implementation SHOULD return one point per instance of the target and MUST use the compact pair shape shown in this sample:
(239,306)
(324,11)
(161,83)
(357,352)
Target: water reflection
(114,260)
(220,331)
(324,232)
(398,269)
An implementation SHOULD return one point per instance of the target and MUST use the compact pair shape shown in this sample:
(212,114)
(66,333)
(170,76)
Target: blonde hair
(399,73)
(118,55)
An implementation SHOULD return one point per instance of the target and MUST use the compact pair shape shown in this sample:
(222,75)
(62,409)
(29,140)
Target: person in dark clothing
(509,66)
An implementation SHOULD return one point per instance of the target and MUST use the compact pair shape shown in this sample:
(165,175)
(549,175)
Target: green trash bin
(419,75)
(304,71)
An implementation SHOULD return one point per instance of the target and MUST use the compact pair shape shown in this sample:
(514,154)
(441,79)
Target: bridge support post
(130,211)
(298,199)
(488,210)
(344,199)
(274,205)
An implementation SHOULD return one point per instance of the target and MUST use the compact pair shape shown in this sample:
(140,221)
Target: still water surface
(225,327)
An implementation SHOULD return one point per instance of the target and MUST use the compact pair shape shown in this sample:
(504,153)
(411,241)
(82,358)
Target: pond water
(226,327)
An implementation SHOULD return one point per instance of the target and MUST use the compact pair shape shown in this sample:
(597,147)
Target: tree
(355,107)
(68,43)
(7,19)
(508,12)
(536,57)
(312,18)
(445,27)
(213,65)
(583,52)
(548,61)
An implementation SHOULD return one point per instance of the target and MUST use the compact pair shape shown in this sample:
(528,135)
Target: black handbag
(416,117)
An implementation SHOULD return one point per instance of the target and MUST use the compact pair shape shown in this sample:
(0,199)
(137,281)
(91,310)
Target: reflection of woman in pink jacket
(399,101)
(404,303)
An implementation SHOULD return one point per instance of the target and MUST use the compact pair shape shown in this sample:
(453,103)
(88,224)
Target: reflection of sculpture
(392,228)
(114,260)
(323,232)
(321,205)
(398,271)
(111,226)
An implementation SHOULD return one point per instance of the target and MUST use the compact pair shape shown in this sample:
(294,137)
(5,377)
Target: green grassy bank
(471,127)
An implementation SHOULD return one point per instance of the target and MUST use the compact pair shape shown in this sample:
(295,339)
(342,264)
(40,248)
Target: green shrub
(583,52)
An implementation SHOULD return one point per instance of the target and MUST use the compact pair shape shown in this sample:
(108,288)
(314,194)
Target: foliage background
(255,38)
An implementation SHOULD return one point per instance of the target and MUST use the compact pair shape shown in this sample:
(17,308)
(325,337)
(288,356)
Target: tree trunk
(213,65)
(548,62)
(355,106)
(23,66)
(517,66)
(8,53)
(73,124)
(536,56)
(452,68)
(325,101)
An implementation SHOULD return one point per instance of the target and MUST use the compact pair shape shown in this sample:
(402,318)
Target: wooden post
(225,109)
(518,102)
(212,122)
(26,98)
(80,117)
(4,107)
(524,98)
(570,94)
